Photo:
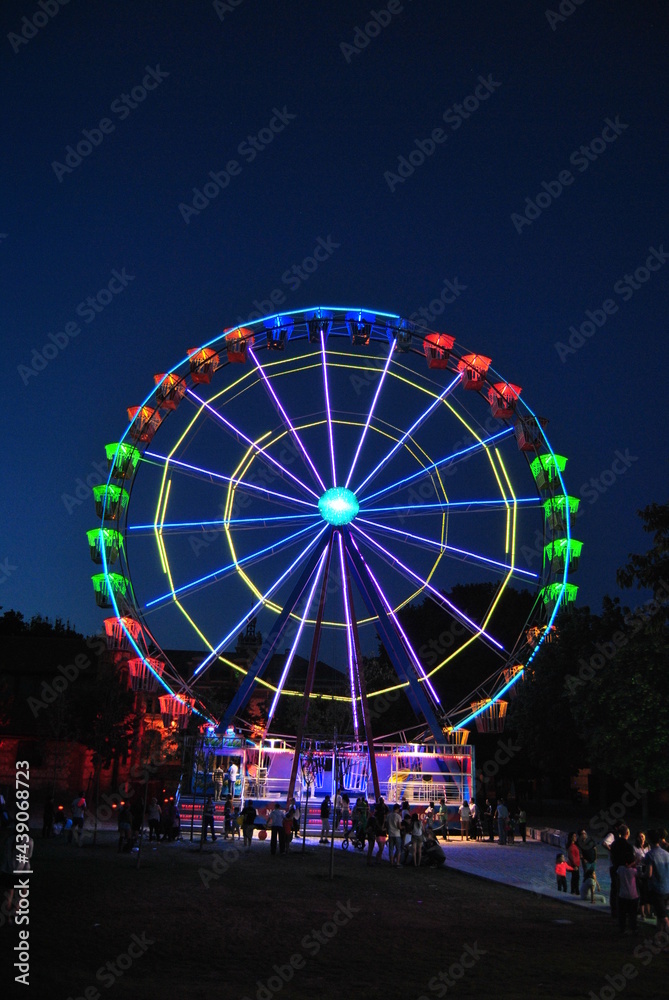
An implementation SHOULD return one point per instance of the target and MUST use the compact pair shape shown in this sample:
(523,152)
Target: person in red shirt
(561,869)
(574,858)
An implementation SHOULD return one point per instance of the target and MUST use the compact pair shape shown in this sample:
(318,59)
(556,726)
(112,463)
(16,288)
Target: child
(590,885)
(561,869)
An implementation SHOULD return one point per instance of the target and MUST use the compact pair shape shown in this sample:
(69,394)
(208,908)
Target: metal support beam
(261,662)
(311,670)
(394,647)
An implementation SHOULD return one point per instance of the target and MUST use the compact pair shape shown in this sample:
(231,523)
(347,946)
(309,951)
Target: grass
(209,932)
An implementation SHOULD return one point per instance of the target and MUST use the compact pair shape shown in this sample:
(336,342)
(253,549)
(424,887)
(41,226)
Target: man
(208,819)
(502,817)
(657,860)
(78,810)
(325,820)
(218,783)
(488,821)
(394,825)
(619,853)
(233,771)
(588,850)
(276,818)
(443,816)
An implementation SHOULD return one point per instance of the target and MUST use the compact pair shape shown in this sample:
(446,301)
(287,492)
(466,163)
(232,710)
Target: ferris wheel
(314,475)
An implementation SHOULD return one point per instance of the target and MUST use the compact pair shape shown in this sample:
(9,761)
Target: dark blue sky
(343,123)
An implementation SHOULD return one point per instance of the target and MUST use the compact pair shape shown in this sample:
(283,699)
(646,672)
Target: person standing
(488,821)
(248,815)
(394,825)
(502,817)
(218,782)
(621,854)
(276,818)
(522,825)
(153,815)
(443,816)
(657,860)
(233,771)
(325,820)
(208,814)
(628,897)
(78,811)
(465,815)
(416,840)
(574,858)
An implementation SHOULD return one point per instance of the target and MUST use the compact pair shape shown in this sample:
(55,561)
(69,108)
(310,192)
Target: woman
(641,849)
(465,816)
(574,859)
(416,840)
(248,815)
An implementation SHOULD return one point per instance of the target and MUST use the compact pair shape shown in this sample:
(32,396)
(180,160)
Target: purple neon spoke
(247,440)
(268,593)
(428,586)
(433,466)
(209,474)
(349,635)
(327,409)
(223,571)
(371,410)
(413,655)
(286,418)
(447,548)
(421,419)
(291,655)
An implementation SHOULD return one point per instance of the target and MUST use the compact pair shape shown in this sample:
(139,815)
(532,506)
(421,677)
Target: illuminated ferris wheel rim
(374,326)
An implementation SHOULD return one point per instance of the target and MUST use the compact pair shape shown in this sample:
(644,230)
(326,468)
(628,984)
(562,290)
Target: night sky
(510,160)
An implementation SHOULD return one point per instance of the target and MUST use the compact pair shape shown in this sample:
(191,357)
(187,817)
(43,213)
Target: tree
(651,570)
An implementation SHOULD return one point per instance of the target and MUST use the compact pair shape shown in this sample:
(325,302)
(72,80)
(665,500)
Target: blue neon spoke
(241,483)
(431,543)
(421,419)
(405,571)
(282,413)
(439,464)
(223,570)
(371,411)
(219,522)
(449,504)
(327,409)
(265,597)
(239,435)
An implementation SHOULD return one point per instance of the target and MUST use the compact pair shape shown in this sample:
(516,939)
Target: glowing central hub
(338,505)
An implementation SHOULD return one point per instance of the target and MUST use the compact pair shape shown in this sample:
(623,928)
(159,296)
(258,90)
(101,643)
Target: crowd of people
(638,869)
